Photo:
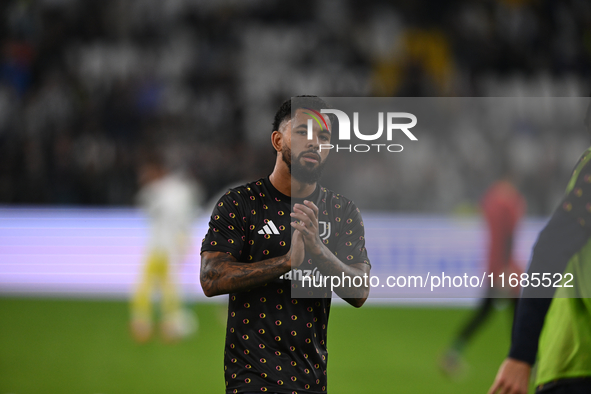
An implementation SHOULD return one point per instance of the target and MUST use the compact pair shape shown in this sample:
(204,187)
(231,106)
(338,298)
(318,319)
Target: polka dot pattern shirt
(275,343)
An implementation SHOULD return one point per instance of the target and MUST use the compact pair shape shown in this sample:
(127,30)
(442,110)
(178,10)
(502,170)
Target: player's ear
(277,140)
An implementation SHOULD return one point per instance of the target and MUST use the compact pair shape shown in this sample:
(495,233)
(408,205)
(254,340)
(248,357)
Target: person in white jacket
(170,201)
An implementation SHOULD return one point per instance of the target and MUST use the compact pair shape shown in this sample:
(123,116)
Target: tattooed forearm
(330,265)
(222,274)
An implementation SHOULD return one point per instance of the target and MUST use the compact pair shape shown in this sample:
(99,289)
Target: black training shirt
(275,343)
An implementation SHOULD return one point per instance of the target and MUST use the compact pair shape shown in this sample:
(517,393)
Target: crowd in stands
(87,87)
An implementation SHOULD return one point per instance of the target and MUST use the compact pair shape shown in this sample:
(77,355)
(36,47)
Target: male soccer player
(170,201)
(259,232)
(557,329)
(503,207)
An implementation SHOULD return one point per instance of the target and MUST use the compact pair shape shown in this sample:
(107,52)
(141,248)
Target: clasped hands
(306,237)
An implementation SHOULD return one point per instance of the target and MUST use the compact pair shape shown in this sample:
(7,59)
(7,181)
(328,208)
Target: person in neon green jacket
(553,320)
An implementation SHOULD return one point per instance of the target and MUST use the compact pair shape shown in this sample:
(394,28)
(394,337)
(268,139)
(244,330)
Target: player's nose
(313,143)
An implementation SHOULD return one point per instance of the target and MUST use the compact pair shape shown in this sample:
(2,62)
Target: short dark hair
(284,111)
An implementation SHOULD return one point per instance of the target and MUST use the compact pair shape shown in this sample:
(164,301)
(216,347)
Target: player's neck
(283,182)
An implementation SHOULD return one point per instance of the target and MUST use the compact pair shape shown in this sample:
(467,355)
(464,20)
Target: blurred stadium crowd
(87,87)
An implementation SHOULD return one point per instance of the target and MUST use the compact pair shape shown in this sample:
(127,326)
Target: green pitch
(68,346)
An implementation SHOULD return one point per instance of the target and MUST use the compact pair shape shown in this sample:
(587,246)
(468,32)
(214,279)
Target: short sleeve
(226,227)
(351,241)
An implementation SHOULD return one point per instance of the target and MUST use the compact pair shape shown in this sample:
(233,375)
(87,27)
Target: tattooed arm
(330,265)
(221,273)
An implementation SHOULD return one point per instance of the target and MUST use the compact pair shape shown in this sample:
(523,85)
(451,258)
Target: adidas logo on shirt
(269,229)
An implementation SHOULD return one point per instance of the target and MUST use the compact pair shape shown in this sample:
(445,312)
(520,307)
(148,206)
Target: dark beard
(303,173)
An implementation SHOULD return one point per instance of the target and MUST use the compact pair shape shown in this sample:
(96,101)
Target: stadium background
(88,87)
